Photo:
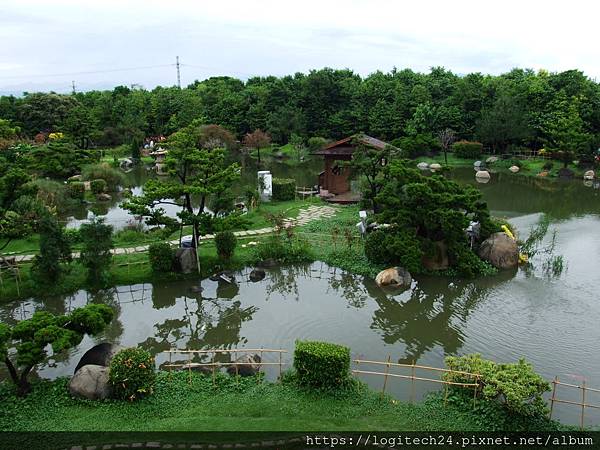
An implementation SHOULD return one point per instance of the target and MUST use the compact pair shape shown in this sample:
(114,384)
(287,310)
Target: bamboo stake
(280,366)
(583,405)
(189,368)
(412,387)
(236,369)
(170,370)
(387,371)
(213,370)
(553,398)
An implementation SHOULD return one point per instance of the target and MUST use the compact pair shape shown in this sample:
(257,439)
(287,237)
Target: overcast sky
(44,45)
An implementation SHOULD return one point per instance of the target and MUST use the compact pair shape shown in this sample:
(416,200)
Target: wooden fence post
(554,383)
(387,371)
(582,404)
(280,354)
(412,382)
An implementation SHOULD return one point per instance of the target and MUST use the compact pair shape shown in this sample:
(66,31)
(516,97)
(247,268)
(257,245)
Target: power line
(87,72)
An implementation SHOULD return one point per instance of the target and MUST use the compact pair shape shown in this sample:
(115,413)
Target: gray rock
(589,175)
(103,197)
(514,169)
(268,263)
(91,382)
(482,174)
(500,250)
(435,166)
(257,275)
(185,260)
(478,164)
(99,355)
(249,367)
(492,160)
(394,276)
(423,165)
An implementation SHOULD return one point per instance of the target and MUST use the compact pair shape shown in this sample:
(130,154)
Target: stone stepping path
(305,216)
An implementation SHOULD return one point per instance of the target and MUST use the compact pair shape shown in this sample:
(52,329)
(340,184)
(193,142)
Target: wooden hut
(334,181)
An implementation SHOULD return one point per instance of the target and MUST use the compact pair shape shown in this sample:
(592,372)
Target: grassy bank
(242,405)
(334,241)
(529,167)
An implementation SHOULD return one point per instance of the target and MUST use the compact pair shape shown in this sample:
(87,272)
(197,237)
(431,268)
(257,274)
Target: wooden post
(279,366)
(259,364)
(212,365)
(412,387)
(445,394)
(554,383)
(582,404)
(190,368)
(170,362)
(237,375)
(197,249)
(387,371)
(475,395)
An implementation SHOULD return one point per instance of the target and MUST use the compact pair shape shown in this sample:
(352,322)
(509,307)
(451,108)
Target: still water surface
(552,322)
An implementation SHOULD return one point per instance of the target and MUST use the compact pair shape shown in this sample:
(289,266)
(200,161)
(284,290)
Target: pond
(304,173)
(552,322)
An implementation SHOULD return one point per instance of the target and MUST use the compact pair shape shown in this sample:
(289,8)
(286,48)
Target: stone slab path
(305,216)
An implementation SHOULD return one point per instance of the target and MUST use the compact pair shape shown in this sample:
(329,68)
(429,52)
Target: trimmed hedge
(225,241)
(76,190)
(161,257)
(284,189)
(132,374)
(98,186)
(321,364)
(467,149)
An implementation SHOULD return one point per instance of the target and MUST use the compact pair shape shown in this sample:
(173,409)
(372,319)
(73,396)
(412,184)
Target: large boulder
(500,250)
(423,165)
(91,382)
(589,175)
(103,197)
(492,160)
(514,169)
(99,355)
(435,166)
(257,275)
(394,276)
(439,260)
(185,260)
(248,365)
(482,174)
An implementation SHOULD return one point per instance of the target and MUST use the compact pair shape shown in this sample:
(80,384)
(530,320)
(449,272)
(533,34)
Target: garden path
(305,216)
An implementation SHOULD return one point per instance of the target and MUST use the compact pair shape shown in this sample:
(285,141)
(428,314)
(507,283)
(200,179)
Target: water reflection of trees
(433,313)
(283,280)
(205,323)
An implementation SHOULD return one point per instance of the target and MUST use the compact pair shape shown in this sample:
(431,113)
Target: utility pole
(73,85)
(178,74)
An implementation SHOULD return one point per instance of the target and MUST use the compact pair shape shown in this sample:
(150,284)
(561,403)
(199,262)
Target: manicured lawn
(230,406)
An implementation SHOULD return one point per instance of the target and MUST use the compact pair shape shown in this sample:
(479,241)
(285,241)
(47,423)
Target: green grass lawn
(245,405)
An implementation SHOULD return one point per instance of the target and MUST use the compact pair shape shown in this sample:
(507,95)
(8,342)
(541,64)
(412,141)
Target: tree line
(515,110)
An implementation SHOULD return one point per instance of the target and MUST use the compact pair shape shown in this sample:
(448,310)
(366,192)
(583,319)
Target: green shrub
(113,177)
(132,374)
(398,248)
(418,145)
(316,143)
(98,186)
(161,257)
(515,162)
(515,386)
(321,364)
(284,189)
(467,149)
(225,241)
(72,235)
(96,254)
(52,193)
(286,251)
(76,190)
(548,165)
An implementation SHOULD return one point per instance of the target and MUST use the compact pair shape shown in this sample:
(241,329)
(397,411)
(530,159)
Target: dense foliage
(55,251)
(426,216)
(321,364)
(197,164)
(225,241)
(284,189)
(132,374)
(516,386)
(31,338)
(96,253)
(161,255)
(520,108)
(467,150)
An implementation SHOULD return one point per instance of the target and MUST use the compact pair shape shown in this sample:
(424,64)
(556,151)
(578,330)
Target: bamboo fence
(413,377)
(583,405)
(216,365)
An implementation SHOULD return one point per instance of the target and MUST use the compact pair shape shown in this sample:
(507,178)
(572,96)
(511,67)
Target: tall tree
(257,139)
(196,171)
